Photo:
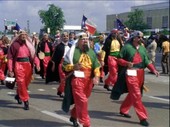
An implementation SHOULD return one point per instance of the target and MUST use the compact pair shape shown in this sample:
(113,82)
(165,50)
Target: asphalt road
(45,106)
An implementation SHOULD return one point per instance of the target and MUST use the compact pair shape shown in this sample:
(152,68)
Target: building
(156,16)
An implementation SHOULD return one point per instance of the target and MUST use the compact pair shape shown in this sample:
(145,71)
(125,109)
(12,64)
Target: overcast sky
(95,10)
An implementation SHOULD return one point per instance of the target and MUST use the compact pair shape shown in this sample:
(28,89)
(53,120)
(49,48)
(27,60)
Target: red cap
(114,31)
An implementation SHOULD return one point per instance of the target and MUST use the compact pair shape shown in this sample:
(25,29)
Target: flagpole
(4,27)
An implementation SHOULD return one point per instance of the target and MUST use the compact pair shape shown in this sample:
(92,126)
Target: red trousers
(134,97)
(81,88)
(2,70)
(113,68)
(62,79)
(23,74)
(45,63)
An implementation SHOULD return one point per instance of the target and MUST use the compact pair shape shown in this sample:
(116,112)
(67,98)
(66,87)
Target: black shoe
(101,79)
(144,123)
(18,99)
(107,88)
(74,121)
(2,82)
(26,105)
(60,94)
(125,115)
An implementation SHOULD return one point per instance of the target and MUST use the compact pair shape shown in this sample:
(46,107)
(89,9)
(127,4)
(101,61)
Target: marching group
(78,63)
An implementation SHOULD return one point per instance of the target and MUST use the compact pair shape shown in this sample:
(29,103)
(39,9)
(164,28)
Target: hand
(77,66)
(53,66)
(38,69)
(156,73)
(96,80)
(11,73)
(102,63)
(130,64)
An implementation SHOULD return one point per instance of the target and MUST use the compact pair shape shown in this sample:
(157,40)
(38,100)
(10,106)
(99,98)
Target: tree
(135,20)
(53,18)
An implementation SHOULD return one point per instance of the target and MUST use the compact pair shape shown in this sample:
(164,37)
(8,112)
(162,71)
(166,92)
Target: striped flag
(86,23)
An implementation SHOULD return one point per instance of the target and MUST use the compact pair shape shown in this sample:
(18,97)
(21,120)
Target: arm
(37,63)
(153,69)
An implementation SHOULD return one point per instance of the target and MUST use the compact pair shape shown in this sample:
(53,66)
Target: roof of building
(156,6)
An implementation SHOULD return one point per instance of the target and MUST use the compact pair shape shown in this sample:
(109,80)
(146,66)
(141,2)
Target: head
(137,37)
(83,41)
(5,40)
(126,29)
(65,37)
(114,33)
(45,37)
(22,36)
(91,42)
(71,36)
(57,34)
(34,34)
(101,39)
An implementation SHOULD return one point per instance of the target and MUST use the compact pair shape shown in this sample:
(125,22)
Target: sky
(95,10)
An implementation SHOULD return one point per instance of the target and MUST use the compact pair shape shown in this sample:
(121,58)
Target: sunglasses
(139,37)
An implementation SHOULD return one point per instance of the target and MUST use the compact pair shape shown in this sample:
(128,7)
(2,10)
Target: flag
(9,25)
(86,23)
(17,27)
(120,25)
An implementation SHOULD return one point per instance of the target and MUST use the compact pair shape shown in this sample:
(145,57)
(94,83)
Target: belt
(47,53)
(23,59)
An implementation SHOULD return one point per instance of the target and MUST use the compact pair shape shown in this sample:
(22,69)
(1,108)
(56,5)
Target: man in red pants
(111,50)
(134,57)
(21,56)
(82,60)
(3,61)
(55,72)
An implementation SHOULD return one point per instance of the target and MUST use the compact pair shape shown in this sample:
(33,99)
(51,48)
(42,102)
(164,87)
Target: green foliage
(165,32)
(53,18)
(135,20)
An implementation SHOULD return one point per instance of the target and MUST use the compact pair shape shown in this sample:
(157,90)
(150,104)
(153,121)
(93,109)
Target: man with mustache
(21,56)
(133,57)
(82,59)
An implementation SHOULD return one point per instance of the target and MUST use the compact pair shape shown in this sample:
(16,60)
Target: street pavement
(45,106)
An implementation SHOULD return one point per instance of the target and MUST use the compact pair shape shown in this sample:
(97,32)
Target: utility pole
(28,26)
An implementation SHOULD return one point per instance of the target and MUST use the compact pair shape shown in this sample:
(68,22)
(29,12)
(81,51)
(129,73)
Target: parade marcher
(21,58)
(133,57)
(57,39)
(81,59)
(3,59)
(111,48)
(15,34)
(98,50)
(54,68)
(45,47)
(72,40)
(35,40)
(165,55)
(151,48)
(6,43)
(126,34)
(91,42)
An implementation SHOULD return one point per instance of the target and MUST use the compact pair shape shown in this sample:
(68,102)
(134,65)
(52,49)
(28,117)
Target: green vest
(128,51)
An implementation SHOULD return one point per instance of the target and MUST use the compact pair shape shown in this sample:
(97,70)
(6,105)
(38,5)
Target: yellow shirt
(86,63)
(115,46)
(165,47)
